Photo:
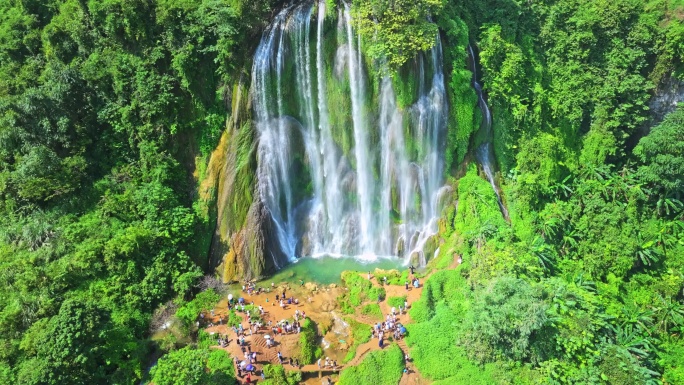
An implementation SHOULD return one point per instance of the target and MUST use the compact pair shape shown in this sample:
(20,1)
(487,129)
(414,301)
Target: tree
(396,30)
(504,319)
(661,154)
(77,346)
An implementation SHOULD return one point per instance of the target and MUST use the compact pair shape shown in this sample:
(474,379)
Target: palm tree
(646,251)
(632,341)
(543,253)
(639,318)
(669,313)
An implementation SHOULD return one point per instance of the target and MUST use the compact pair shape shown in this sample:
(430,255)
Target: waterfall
(375,193)
(485,152)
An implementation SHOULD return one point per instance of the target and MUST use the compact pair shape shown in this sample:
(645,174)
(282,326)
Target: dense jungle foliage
(106,104)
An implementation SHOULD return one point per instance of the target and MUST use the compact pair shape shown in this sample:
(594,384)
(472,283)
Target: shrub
(396,301)
(382,367)
(189,312)
(309,350)
(188,366)
(205,340)
(276,375)
(360,290)
(372,310)
(360,334)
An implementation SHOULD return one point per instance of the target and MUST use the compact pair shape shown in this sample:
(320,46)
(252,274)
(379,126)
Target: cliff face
(239,246)
(668,94)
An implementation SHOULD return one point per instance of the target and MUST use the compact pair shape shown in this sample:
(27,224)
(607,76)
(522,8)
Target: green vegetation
(190,366)
(382,367)
(110,109)
(372,310)
(396,301)
(277,375)
(360,334)
(397,29)
(309,349)
(105,106)
(360,290)
(190,311)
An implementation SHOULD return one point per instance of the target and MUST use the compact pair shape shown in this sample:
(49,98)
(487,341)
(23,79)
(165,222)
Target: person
(319,363)
(301,282)
(277,297)
(248,380)
(369,275)
(406,305)
(412,268)
(280,357)
(335,364)
(406,284)
(406,369)
(263,375)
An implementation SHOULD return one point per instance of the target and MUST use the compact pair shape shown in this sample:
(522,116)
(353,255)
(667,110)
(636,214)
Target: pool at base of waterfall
(327,269)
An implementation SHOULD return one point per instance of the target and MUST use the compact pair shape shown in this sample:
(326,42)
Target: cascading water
(376,194)
(485,153)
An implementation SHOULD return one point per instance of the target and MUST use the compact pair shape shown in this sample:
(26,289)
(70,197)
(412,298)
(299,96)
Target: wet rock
(415,258)
(400,249)
(310,286)
(667,95)
(431,245)
(329,306)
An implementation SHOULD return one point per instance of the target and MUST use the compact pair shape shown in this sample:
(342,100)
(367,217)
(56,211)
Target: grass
(372,310)
(309,350)
(360,334)
(396,301)
(360,290)
(383,367)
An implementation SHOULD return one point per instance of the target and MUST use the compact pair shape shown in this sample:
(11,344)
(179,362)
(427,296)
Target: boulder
(310,286)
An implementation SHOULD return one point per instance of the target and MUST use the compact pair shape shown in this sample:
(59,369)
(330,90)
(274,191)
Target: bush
(396,301)
(276,375)
(205,340)
(359,288)
(360,334)
(372,310)
(189,312)
(309,350)
(188,366)
(383,367)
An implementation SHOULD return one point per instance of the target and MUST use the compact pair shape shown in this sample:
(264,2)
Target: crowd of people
(254,317)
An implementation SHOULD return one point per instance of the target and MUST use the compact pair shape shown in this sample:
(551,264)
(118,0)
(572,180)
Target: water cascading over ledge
(342,168)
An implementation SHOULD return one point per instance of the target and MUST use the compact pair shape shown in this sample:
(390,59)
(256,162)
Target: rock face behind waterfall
(252,251)
(240,245)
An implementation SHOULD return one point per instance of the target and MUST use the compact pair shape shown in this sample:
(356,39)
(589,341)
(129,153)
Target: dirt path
(319,304)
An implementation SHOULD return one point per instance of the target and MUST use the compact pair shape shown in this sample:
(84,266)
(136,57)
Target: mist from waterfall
(379,196)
